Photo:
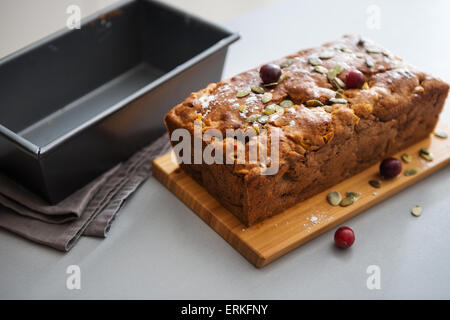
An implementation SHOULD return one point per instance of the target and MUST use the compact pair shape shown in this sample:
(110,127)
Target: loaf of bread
(328,129)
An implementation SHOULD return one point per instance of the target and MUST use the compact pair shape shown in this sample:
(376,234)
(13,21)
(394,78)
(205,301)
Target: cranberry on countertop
(355,79)
(270,73)
(344,237)
(390,167)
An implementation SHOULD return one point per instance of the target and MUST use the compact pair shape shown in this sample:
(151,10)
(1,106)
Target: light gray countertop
(158,248)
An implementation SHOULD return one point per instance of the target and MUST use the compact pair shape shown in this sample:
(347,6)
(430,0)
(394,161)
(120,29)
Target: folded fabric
(89,211)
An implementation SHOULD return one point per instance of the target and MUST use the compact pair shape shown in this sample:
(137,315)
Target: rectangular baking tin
(76,103)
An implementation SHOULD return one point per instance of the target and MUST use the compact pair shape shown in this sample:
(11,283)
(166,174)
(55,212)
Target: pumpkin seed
(373,50)
(347,201)
(375,183)
(321,69)
(286,103)
(314,61)
(253,118)
(426,154)
(406,158)
(334,198)
(331,75)
(263,119)
(314,103)
(338,100)
(278,109)
(243,93)
(266,97)
(338,68)
(256,128)
(328,109)
(270,109)
(416,211)
(360,55)
(338,83)
(340,95)
(441,134)
(326,55)
(257,89)
(369,62)
(424,150)
(355,195)
(283,77)
(242,108)
(346,50)
(366,86)
(286,63)
(410,172)
(427,157)
(334,72)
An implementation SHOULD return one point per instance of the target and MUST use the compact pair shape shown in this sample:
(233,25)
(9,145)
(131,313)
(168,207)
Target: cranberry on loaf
(337,110)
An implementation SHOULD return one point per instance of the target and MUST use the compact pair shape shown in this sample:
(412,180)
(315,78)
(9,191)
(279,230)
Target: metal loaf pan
(76,103)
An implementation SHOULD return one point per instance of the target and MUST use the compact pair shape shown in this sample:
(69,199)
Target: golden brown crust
(319,146)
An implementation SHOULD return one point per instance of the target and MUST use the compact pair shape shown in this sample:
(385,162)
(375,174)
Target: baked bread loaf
(328,129)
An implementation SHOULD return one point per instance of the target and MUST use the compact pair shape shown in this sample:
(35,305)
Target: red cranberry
(344,237)
(270,73)
(355,79)
(390,168)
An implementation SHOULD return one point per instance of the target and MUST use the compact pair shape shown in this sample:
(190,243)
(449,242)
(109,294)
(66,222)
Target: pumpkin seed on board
(242,108)
(314,61)
(286,63)
(347,201)
(355,195)
(426,154)
(334,198)
(286,103)
(410,172)
(266,97)
(441,134)
(406,158)
(375,183)
(243,93)
(257,89)
(416,211)
(314,103)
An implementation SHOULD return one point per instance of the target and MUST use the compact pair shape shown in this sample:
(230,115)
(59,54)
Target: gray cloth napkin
(89,211)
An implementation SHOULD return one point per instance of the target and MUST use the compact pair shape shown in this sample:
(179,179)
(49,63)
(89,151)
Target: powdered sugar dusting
(205,100)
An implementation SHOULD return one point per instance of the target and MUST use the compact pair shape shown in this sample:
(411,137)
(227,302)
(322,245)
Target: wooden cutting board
(270,239)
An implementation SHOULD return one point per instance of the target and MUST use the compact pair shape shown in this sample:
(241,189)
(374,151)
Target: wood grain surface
(272,238)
